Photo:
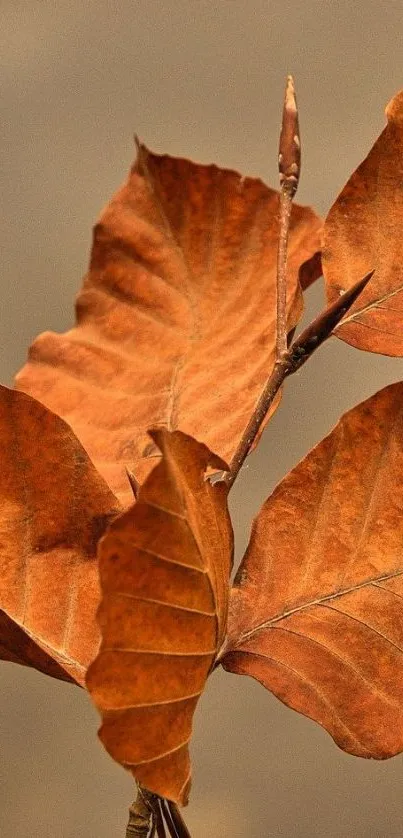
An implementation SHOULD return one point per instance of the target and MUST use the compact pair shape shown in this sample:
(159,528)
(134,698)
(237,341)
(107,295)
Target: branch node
(289,362)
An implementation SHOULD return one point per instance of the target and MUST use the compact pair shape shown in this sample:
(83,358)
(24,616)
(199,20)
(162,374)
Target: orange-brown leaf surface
(54,507)
(363,231)
(165,566)
(176,319)
(317,607)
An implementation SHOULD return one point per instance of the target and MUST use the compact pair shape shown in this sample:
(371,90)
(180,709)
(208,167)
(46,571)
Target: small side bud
(289,158)
(322,327)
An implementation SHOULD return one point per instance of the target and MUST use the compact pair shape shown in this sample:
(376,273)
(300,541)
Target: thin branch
(141,818)
(264,403)
(148,814)
(285,215)
(173,818)
(300,350)
(289,163)
(159,822)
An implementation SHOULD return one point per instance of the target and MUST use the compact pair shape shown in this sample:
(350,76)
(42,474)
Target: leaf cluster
(122,584)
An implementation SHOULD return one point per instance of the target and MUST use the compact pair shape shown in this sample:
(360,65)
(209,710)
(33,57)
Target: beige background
(204,80)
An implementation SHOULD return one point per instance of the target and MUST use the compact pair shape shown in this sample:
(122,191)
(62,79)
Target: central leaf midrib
(319,601)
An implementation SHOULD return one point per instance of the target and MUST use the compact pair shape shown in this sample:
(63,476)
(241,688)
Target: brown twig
(289,163)
(148,814)
(300,350)
(173,818)
(265,401)
(141,817)
(159,823)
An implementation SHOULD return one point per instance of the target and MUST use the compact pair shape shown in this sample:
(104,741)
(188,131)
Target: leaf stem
(141,818)
(174,820)
(148,814)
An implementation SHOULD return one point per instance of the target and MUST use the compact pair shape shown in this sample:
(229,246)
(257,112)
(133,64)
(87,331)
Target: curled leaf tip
(394,108)
(290,100)
(141,155)
(134,483)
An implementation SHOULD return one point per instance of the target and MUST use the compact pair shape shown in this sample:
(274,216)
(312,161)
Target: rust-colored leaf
(54,507)
(363,231)
(165,566)
(176,319)
(317,608)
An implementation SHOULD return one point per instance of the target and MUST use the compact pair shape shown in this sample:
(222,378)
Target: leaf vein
(363,623)
(348,664)
(321,601)
(316,689)
(127,595)
(160,756)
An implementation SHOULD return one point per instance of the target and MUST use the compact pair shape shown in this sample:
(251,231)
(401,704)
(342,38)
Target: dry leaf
(363,231)
(317,608)
(165,566)
(54,508)
(176,320)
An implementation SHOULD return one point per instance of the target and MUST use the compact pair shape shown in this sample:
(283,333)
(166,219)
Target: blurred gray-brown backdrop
(204,80)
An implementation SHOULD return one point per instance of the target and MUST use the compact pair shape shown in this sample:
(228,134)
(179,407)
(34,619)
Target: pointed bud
(323,326)
(289,159)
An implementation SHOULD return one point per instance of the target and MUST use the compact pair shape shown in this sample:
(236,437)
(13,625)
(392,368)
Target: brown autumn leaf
(54,507)
(317,607)
(363,231)
(176,319)
(164,567)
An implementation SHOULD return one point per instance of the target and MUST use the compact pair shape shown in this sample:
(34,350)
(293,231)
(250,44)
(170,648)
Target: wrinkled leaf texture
(176,319)
(164,566)
(54,508)
(317,607)
(181,270)
(363,231)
